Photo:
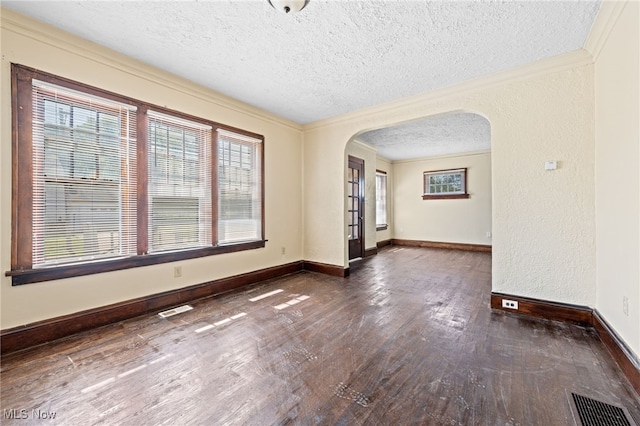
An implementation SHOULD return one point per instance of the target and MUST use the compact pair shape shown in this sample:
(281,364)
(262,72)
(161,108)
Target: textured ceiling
(334,56)
(442,135)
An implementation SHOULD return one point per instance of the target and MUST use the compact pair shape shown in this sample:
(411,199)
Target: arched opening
(436,175)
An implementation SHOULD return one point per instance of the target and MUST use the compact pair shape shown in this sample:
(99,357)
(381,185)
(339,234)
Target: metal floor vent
(175,311)
(597,413)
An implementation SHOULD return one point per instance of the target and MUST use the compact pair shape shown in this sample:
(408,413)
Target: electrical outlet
(625,305)
(511,304)
(177,271)
(488,234)
(283,250)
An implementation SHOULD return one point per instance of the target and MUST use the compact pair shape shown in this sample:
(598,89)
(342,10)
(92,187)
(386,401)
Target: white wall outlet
(177,271)
(625,305)
(550,165)
(488,234)
(511,304)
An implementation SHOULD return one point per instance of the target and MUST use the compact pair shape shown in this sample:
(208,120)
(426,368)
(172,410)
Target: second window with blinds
(181,182)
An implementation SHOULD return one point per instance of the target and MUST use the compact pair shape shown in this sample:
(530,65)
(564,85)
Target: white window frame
(382,212)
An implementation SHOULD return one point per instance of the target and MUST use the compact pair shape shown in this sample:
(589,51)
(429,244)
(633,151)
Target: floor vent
(597,413)
(175,311)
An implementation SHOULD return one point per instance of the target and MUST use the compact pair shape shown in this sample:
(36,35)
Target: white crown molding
(364,145)
(440,157)
(44,33)
(559,63)
(606,19)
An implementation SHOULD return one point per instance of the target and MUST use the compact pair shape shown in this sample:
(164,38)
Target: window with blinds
(103,182)
(381,200)
(179,184)
(84,183)
(239,187)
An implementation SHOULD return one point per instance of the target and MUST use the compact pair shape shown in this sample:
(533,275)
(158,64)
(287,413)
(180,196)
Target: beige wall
(451,221)
(617,138)
(41,47)
(385,165)
(543,222)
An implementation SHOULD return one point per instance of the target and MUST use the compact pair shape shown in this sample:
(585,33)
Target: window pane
(82,186)
(180,215)
(446,182)
(239,187)
(381,199)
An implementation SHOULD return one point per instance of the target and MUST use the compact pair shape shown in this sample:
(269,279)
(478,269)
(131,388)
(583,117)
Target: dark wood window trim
(428,196)
(444,197)
(22,270)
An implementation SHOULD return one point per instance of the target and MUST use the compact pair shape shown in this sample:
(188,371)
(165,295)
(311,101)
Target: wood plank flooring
(407,339)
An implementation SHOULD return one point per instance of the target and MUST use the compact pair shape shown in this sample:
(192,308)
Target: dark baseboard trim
(440,245)
(582,315)
(325,268)
(384,243)
(575,314)
(22,337)
(620,352)
(370,252)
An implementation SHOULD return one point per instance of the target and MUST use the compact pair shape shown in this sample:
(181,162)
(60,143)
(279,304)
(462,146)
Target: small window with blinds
(179,187)
(381,200)
(84,190)
(239,187)
(103,182)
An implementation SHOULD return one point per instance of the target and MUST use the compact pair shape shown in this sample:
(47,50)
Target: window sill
(444,197)
(28,276)
(381,228)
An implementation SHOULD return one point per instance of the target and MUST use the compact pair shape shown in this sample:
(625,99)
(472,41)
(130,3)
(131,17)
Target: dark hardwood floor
(408,338)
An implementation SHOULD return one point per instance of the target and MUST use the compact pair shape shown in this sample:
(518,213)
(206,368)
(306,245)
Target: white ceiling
(334,56)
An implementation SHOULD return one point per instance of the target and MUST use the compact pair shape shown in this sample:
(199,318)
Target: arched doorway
(454,142)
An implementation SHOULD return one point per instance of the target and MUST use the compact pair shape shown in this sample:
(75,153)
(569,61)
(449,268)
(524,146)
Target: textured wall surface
(618,177)
(35,46)
(543,222)
(451,221)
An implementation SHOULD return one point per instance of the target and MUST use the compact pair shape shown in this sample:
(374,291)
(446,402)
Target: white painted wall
(37,45)
(368,154)
(617,136)
(450,221)
(386,166)
(543,222)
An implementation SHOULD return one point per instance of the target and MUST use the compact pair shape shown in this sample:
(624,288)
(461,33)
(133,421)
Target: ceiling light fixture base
(289,6)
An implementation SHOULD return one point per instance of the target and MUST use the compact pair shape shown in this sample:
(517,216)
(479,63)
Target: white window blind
(239,187)
(381,199)
(179,153)
(84,182)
